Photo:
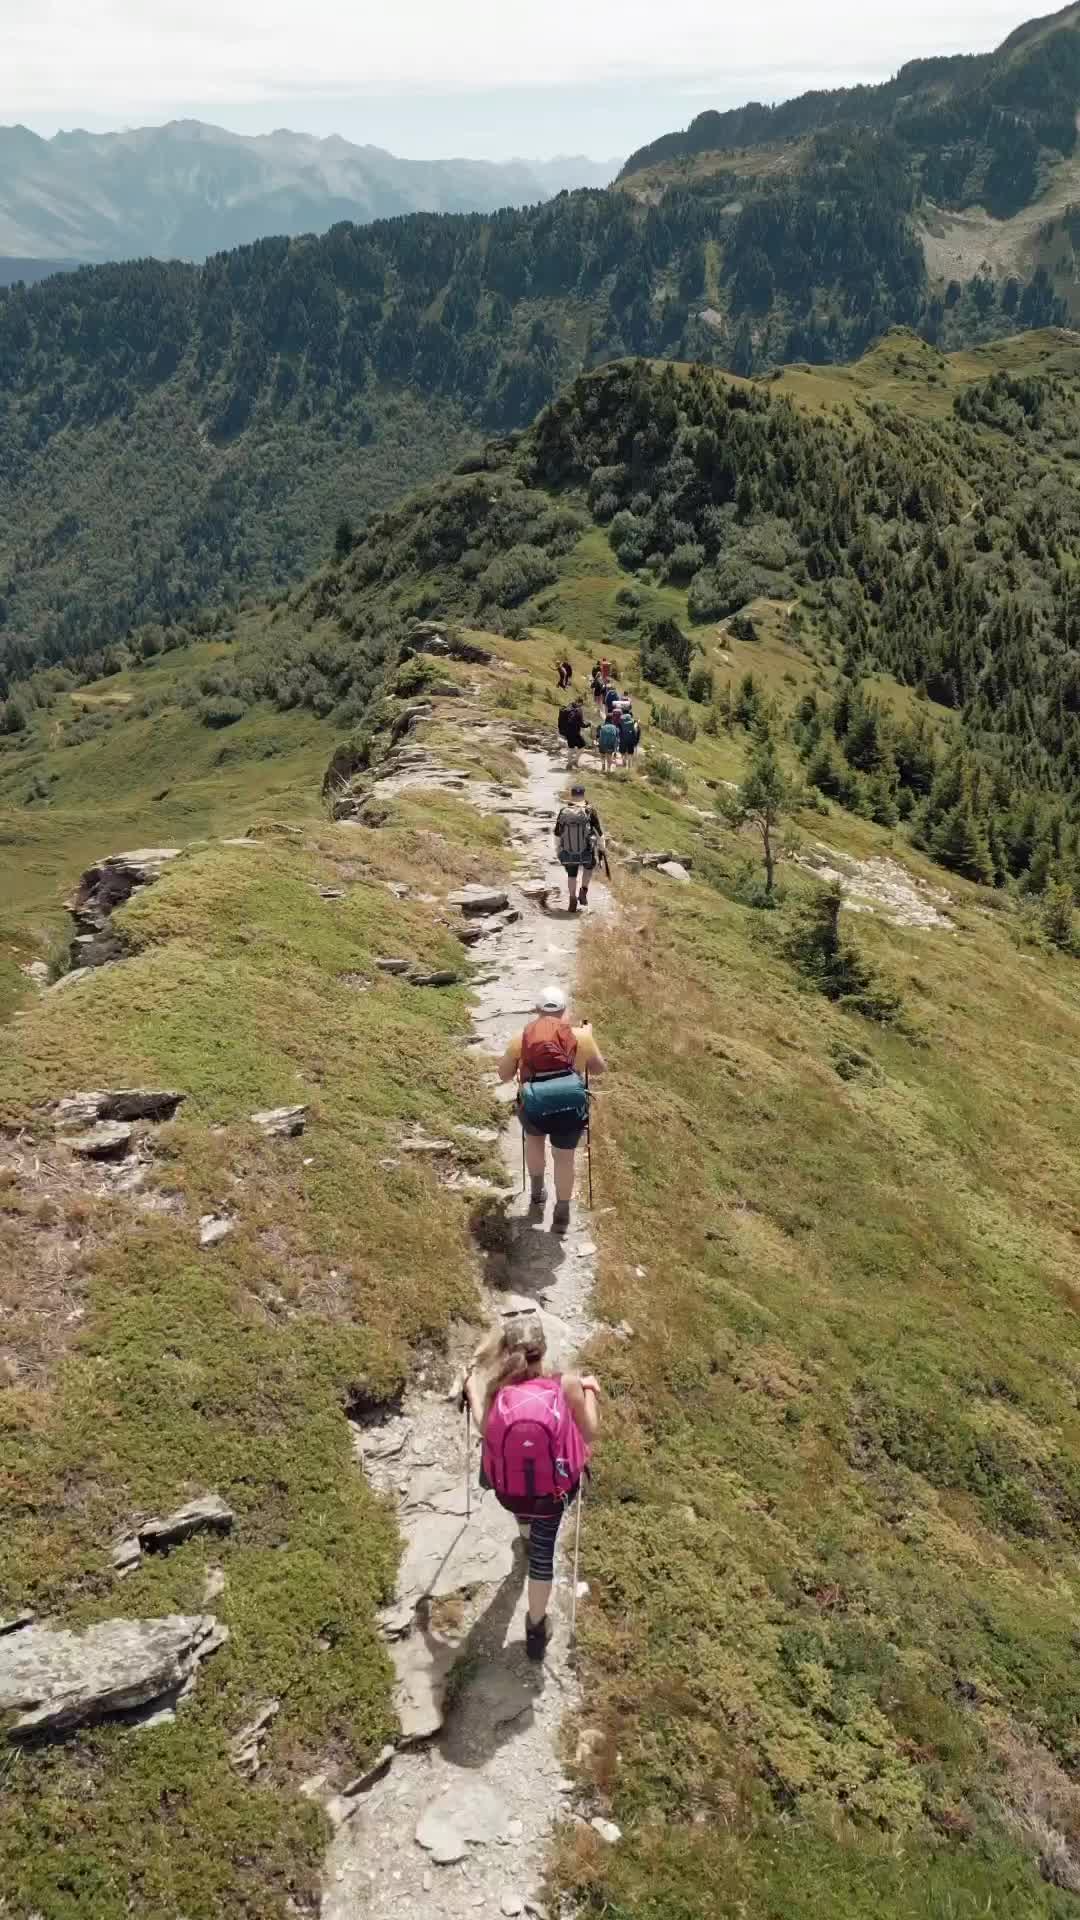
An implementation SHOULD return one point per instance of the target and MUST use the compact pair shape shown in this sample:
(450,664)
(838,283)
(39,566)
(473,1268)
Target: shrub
(682,726)
(659,668)
(743,628)
(512,576)
(221,710)
(704,600)
(685,560)
(663,771)
(834,964)
(13,717)
(1057,919)
(701,684)
(666,636)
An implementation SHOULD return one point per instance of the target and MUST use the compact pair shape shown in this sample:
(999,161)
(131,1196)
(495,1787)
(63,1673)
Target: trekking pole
(468,1460)
(577,1558)
(588,1132)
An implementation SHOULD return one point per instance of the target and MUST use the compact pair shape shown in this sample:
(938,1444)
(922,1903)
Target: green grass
(185,1370)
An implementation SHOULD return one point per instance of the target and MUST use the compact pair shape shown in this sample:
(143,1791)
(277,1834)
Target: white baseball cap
(551,999)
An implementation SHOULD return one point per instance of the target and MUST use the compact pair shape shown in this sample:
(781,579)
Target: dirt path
(483,1783)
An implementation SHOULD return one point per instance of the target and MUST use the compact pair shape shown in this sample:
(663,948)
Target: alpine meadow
(298,550)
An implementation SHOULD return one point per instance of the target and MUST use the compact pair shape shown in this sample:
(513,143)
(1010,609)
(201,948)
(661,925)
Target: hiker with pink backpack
(537,1428)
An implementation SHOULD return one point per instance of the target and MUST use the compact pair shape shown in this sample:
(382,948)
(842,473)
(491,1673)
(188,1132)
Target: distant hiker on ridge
(517,1405)
(579,844)
(549,1058)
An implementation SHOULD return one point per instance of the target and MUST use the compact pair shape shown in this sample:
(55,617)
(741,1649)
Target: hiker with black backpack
(572,729)
(578,844)
(537,1429)
(552,1061)
(629,734)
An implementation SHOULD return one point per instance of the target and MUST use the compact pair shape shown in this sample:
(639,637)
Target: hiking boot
(583,899)
(572,906)
(536,1637)
(537,1194)
(561,1215)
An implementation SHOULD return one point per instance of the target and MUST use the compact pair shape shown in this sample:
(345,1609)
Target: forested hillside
(973,128)
(175,437)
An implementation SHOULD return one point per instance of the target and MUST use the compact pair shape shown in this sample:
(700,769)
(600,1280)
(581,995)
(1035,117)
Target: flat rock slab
(479,899)
(392,965)
(674,870)
(284,1122)
(443,1555)
(77,1111)
(470,1813)
(443,978)
(61,1679)
(214,1227)
(110,1140)
(209,1514)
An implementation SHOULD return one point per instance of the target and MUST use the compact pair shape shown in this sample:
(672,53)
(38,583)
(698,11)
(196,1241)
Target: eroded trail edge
(460,1821)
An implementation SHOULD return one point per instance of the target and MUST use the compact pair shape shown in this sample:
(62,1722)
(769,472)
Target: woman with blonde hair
(537,1429)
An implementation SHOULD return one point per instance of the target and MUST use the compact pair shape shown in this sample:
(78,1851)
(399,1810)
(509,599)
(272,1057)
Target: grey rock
(102,889)
(444,977)
(420,1143)
(366,1780)
(393,966)
(38,972)
(422,1667)
(479,899)
(442,1557)
(214,1584)
(126,1555)
(245,1748)
(15,1622)
(109,1141)
(214,1227)
(470,935)
(468,1814)
(674,869)
(79,1110)
(283,1122)
(208,1514)
(395,1622)
(445,690)
(484,1136)
(57,1679)
(71,979)
(408,719)
(511,1904)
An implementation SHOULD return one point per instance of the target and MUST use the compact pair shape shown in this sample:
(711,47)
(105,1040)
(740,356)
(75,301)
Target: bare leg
(563,1158)
(539,1598)
(536,1160)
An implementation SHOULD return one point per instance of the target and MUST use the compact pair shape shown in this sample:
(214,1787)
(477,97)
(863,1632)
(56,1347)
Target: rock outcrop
(78,1111)
(103,888)
(57,1679)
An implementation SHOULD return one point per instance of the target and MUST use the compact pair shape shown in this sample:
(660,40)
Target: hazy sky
(429,77)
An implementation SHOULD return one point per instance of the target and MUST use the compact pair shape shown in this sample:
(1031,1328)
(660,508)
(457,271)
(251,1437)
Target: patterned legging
(543,1533)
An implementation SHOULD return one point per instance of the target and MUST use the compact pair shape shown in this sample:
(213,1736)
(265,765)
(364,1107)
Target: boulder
(422,1668)
(408,719)
(58,1679)
(69,979)
(109,1141)
(674,869)
(445,977)
(208,1514)
(436,638)
(126,1555)
(16,1622)
(102,889)
(393,966)
(77,1111)
(280,1122)
(421,1143)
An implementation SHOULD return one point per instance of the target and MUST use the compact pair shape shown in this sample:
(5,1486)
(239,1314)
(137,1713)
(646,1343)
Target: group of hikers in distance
(617,733)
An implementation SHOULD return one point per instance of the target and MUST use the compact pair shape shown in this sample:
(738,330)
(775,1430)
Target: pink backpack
(534,1454)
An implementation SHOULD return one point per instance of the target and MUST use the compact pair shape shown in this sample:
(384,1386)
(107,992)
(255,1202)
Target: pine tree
(960,844)
(1057,919)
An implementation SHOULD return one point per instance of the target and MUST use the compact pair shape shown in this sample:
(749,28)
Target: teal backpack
(609,737)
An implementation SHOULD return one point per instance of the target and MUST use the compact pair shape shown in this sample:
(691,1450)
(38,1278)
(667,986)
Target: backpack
(534,1454)
(609,737)
(548,1046)
(575,835)
(629,733)
(564,722)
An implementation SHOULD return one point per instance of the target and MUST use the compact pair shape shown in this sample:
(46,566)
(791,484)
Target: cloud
(136,58)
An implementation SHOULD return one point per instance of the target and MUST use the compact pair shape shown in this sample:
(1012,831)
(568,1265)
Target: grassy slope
(835,1525)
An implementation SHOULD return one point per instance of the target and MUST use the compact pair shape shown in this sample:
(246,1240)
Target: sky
(430,78)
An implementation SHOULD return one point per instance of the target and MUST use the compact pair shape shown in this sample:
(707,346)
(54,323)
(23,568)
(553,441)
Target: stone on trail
(422,1668)
(470,1813)
(58,1679)
(393,966)
(110,1140)
(443,1556)
(479,899)
(209,1514)
(281,1122)
(511,1904)
(16,1622)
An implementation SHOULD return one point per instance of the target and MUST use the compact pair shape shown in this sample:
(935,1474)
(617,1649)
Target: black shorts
(572,871)
(565,1134)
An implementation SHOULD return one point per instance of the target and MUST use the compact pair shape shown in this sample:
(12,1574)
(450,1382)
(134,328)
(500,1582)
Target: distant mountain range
(187,190)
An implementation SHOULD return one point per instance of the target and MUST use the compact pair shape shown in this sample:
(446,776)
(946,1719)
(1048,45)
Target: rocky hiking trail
(458,1820)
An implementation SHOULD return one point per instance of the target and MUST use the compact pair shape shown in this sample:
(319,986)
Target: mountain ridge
(190,189)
